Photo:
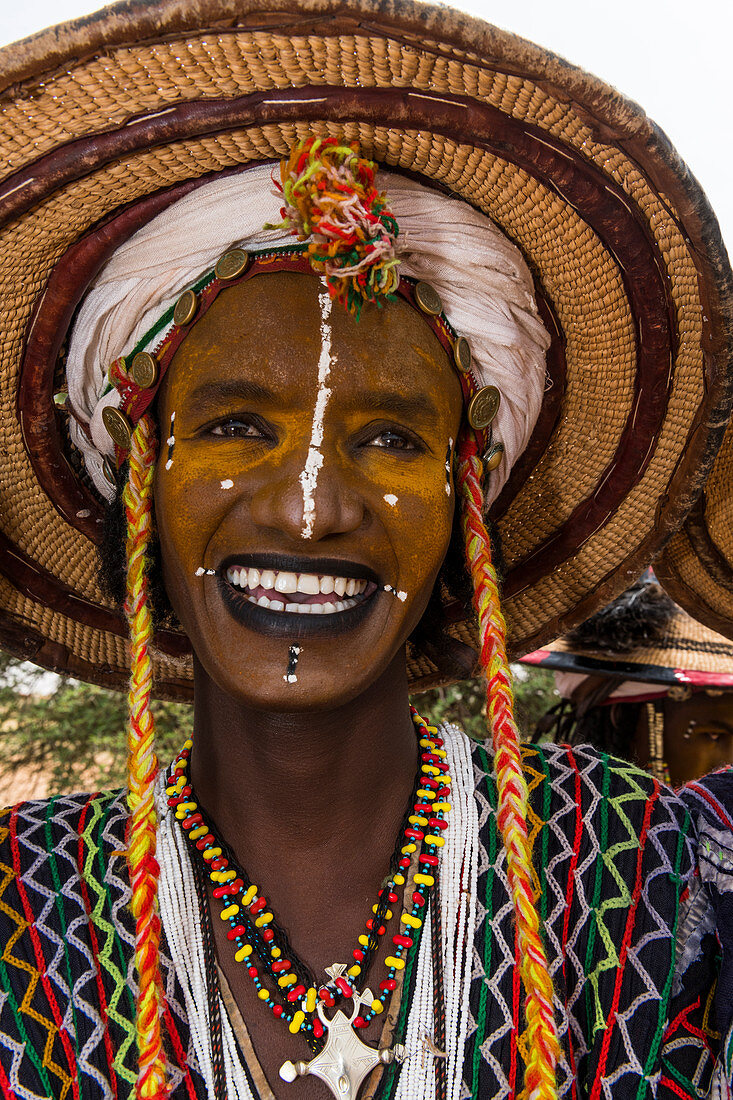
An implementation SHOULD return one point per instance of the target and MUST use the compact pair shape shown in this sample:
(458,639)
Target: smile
(298,593)
(297,597)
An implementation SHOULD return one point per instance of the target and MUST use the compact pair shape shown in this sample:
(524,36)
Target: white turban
(483,282)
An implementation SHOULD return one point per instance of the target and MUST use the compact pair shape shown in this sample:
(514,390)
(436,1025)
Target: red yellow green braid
(544,1048)
(143,767)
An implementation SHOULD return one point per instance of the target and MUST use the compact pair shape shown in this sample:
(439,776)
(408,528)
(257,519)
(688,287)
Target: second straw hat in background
(644,681)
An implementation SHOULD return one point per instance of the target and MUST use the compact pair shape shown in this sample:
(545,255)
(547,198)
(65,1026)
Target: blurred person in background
(643,680)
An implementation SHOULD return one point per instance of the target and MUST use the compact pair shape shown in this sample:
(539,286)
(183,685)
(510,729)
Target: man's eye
(393,441)
(234,428)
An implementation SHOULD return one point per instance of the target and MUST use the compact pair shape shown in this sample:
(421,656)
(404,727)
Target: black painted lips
(288,624)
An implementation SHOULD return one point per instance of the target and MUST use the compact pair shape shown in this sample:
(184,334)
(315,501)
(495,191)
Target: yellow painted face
(302,493)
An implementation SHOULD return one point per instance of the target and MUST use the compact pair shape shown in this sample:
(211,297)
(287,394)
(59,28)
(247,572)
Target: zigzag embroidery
(609,866)
(36,972)
(25,1046)
(99,924)
(604,853)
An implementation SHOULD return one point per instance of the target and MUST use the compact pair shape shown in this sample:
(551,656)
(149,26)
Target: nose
(309,500)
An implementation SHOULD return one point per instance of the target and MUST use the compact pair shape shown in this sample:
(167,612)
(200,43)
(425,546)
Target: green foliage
(76,734)
(465,703)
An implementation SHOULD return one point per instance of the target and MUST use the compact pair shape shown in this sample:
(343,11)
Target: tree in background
(75,733)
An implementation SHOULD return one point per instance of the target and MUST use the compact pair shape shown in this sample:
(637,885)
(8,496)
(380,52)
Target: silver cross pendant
(345,1060)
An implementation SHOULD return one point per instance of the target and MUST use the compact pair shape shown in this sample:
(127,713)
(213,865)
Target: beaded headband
(138,376)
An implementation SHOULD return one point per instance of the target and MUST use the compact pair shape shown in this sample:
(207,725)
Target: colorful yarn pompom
(331,201)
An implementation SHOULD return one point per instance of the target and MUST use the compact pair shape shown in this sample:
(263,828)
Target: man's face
(303,501)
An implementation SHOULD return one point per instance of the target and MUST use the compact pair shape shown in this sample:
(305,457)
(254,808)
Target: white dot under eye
(390,498)
(227,483)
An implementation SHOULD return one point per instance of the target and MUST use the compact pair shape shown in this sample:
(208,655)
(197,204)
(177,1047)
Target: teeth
(344,589)
(286,582)
(303,608)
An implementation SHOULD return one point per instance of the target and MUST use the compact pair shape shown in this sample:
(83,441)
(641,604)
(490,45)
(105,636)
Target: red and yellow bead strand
(252,927)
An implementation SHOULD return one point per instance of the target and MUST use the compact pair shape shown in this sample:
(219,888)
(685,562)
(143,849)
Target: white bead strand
(181,920)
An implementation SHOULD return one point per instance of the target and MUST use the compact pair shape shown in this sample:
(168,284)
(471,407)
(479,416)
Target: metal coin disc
(144,370)
(108,472)
(118,426)
(185,308)
(483,407)
(232,264)
(428,299)
(462,354)
(494,457)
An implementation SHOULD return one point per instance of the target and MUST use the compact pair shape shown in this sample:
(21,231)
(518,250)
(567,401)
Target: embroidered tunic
(629,915)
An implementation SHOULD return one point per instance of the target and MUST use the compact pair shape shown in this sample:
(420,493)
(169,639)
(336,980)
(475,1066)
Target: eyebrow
(417,406)
(219,390)
(410,407)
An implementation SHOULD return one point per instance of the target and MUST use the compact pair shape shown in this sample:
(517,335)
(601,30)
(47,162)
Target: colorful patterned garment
(615,863)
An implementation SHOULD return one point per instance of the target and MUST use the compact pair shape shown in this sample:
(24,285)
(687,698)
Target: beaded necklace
(292,994)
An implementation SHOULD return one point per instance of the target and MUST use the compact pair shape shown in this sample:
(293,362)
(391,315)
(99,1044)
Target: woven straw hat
(684,654)
(107,120)
(696,566)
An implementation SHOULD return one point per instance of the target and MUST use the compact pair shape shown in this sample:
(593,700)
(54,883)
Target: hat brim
(685,653)
(108,119)
(696,567)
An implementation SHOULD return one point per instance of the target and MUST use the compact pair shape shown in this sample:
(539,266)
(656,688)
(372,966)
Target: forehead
(276,325)
(703,706)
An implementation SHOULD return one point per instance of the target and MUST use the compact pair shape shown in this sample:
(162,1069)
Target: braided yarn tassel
(142,768)
(513,795)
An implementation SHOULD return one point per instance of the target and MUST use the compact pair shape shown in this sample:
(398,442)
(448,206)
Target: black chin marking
(293,654)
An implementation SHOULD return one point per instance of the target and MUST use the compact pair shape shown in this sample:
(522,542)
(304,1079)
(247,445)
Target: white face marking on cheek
(171,442)
(309,477)
(293,654)
(400,595)
(227,483)
(448,471)
(390,498)
(201,572)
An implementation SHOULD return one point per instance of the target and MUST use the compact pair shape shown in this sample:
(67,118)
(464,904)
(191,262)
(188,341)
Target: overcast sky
(673,57)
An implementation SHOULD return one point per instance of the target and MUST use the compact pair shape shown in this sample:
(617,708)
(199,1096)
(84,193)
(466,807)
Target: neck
(304,783)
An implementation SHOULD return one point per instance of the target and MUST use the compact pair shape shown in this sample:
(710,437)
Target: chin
(292,674)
